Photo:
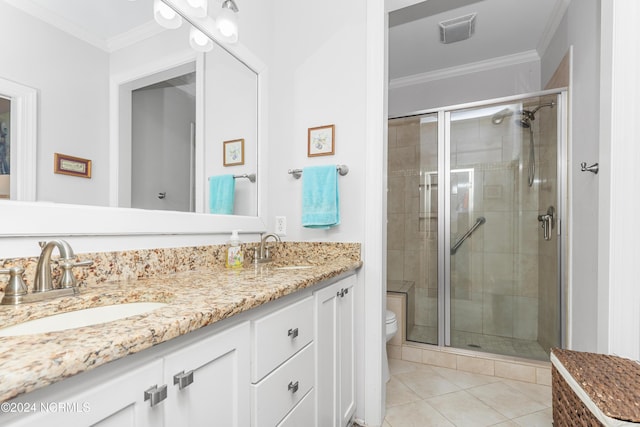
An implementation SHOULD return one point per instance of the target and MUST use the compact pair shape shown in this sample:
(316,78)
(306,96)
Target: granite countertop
(195,299)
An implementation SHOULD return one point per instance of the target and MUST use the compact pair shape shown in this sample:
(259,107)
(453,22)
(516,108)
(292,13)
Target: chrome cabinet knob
(155,394)
(293,333)
(183,379)
(293,387)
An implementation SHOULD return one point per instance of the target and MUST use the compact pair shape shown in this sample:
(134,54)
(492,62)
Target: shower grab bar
(468,234)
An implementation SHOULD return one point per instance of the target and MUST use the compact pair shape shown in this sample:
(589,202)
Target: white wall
(72,97)
(328,68)
(581,29)
(499,81)
(618,291)
(318,79)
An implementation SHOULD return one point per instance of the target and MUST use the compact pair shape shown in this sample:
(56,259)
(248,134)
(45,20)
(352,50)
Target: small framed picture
(233,152)
(69,165)
(321,141)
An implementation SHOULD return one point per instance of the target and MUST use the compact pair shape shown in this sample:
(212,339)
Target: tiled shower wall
(494,275)
(412,231)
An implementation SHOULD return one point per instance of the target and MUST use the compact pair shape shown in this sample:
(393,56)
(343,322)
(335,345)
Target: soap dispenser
(235,257)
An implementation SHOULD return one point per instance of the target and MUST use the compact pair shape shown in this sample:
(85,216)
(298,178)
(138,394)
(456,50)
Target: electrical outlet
(281,226)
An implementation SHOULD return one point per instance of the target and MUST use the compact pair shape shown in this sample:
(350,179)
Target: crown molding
(474,67)
(135,35)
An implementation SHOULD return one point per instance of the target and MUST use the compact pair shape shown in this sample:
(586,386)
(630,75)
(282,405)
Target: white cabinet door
(118,401)
(214,375)
(326,351)
(335,370)
(346,352)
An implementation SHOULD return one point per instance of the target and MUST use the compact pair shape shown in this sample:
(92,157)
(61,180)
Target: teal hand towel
(320,198)
(222,190)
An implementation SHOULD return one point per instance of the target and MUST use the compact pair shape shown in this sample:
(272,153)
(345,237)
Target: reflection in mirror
(163,145)
(78,68)
(5,148)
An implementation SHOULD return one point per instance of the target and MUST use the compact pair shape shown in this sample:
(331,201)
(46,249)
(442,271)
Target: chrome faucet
(43,288)
(42,281)
(262,252)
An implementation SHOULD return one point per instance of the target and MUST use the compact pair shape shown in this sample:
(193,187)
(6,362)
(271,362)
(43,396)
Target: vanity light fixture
(227,21)
(198,8)
(223,27)
(199,41)
(165,16)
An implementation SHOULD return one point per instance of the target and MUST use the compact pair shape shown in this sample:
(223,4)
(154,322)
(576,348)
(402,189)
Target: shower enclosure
(474,232)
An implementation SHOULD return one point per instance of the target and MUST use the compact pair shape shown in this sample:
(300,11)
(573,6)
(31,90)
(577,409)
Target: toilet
(391,328)
(391,325)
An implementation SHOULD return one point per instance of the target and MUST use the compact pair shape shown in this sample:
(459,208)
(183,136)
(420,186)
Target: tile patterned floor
(421,396)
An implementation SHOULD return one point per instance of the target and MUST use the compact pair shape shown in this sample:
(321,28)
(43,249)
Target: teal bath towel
(320,198)
(222,190)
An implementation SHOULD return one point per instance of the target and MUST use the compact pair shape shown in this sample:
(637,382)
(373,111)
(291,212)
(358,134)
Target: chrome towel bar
(251,176)
(297,173)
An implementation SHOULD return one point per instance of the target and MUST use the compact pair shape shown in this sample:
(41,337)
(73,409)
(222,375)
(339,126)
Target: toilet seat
(390,317)
(391,324)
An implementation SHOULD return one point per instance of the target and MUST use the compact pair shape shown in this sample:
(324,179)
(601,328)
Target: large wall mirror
(150,114)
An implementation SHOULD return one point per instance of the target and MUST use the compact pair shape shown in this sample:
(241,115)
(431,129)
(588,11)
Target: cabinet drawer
(280,391)
(303,414)
(279,335)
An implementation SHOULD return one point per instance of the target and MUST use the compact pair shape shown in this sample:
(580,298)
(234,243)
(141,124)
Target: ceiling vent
(457,29)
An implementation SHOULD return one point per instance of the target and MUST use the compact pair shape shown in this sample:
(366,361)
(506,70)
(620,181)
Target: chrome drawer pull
(293,333)
(183,379)
(293,387)
(156,394)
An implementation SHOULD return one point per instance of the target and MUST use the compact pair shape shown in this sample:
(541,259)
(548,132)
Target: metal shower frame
(444,203)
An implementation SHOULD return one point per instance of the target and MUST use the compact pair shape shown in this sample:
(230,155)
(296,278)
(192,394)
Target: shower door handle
(547,222)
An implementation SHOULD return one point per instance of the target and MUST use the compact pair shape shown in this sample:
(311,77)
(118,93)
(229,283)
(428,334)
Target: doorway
(163,119)
(5,147)
(474,212)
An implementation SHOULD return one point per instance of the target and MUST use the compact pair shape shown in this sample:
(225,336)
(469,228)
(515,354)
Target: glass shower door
(412,230)
(502,171)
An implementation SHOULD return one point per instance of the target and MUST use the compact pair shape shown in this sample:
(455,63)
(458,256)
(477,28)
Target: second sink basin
(80,318)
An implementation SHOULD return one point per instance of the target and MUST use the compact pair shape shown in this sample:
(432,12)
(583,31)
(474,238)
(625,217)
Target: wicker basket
(612,383)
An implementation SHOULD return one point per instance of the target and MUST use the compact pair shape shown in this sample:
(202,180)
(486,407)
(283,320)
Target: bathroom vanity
(266,345)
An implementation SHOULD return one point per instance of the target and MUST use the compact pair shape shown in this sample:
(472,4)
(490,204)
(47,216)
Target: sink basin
(79,318)
(294,267)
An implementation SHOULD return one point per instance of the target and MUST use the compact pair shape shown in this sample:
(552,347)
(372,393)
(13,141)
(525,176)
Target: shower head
(529,115)
(548,104)
(498,117)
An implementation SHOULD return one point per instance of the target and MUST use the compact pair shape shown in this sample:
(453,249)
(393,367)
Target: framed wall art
(233,152)
(321,141)
(69,165)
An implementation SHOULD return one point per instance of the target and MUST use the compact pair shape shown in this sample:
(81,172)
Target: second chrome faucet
(262,253)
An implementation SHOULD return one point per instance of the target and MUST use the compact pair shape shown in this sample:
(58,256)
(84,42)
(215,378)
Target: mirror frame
(30,218)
